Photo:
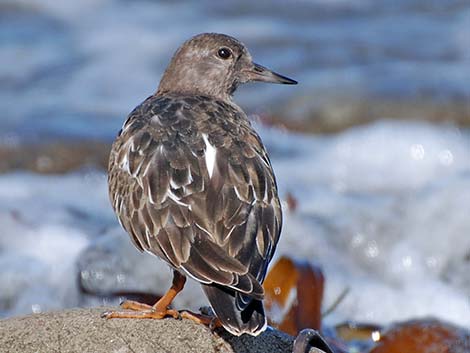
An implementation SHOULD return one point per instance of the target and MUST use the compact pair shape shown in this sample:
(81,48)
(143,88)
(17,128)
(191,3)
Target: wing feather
(220,228)
(157,179)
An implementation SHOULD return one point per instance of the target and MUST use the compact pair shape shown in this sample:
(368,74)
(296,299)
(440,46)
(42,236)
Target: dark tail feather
(250,320)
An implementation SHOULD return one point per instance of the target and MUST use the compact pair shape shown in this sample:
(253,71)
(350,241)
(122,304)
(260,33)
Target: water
(383,208)
(77,68)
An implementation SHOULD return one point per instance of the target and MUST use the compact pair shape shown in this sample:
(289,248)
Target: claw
(213,324)
(105,314)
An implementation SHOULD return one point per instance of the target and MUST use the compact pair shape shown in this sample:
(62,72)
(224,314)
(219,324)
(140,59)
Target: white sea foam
(383,217)
(383,208)
(98,59)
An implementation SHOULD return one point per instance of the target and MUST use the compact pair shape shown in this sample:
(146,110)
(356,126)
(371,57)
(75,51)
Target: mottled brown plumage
(191,182)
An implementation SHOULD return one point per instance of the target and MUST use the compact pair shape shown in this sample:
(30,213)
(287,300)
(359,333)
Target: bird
(191,182)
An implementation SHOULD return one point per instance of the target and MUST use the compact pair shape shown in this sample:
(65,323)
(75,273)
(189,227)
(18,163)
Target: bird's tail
(237,321)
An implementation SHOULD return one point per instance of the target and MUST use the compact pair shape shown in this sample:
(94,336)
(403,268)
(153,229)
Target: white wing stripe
(210,154)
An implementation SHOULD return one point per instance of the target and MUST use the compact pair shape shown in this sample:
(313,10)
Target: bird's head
(214,64)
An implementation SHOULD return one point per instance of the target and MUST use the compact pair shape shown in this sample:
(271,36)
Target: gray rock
(83,330)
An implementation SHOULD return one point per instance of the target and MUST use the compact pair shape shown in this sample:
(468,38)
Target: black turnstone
(191,182)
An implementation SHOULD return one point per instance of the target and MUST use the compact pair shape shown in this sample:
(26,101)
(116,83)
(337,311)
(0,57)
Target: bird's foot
(135,306)
(208,320)
(136,310)
(147,314)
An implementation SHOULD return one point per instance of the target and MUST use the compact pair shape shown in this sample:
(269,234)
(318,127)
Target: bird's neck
(195,80)
(225,97)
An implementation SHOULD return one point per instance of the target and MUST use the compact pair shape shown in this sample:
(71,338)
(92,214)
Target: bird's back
(191,183)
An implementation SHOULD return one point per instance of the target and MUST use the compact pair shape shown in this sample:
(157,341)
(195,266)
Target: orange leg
(211,321)
(160,309)
(157,311)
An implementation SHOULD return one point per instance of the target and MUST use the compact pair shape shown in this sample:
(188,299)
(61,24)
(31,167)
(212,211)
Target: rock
(424,336)
(293,295)
(83,330)
(54,157)
(335,111)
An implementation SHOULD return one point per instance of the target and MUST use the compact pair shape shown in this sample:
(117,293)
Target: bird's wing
(199,193)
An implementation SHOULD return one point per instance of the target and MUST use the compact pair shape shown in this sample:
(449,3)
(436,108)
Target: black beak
(260,73)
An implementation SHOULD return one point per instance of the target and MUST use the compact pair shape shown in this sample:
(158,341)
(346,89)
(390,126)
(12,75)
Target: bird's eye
(224,53)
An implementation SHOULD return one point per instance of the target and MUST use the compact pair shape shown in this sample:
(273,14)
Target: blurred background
(371,149)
